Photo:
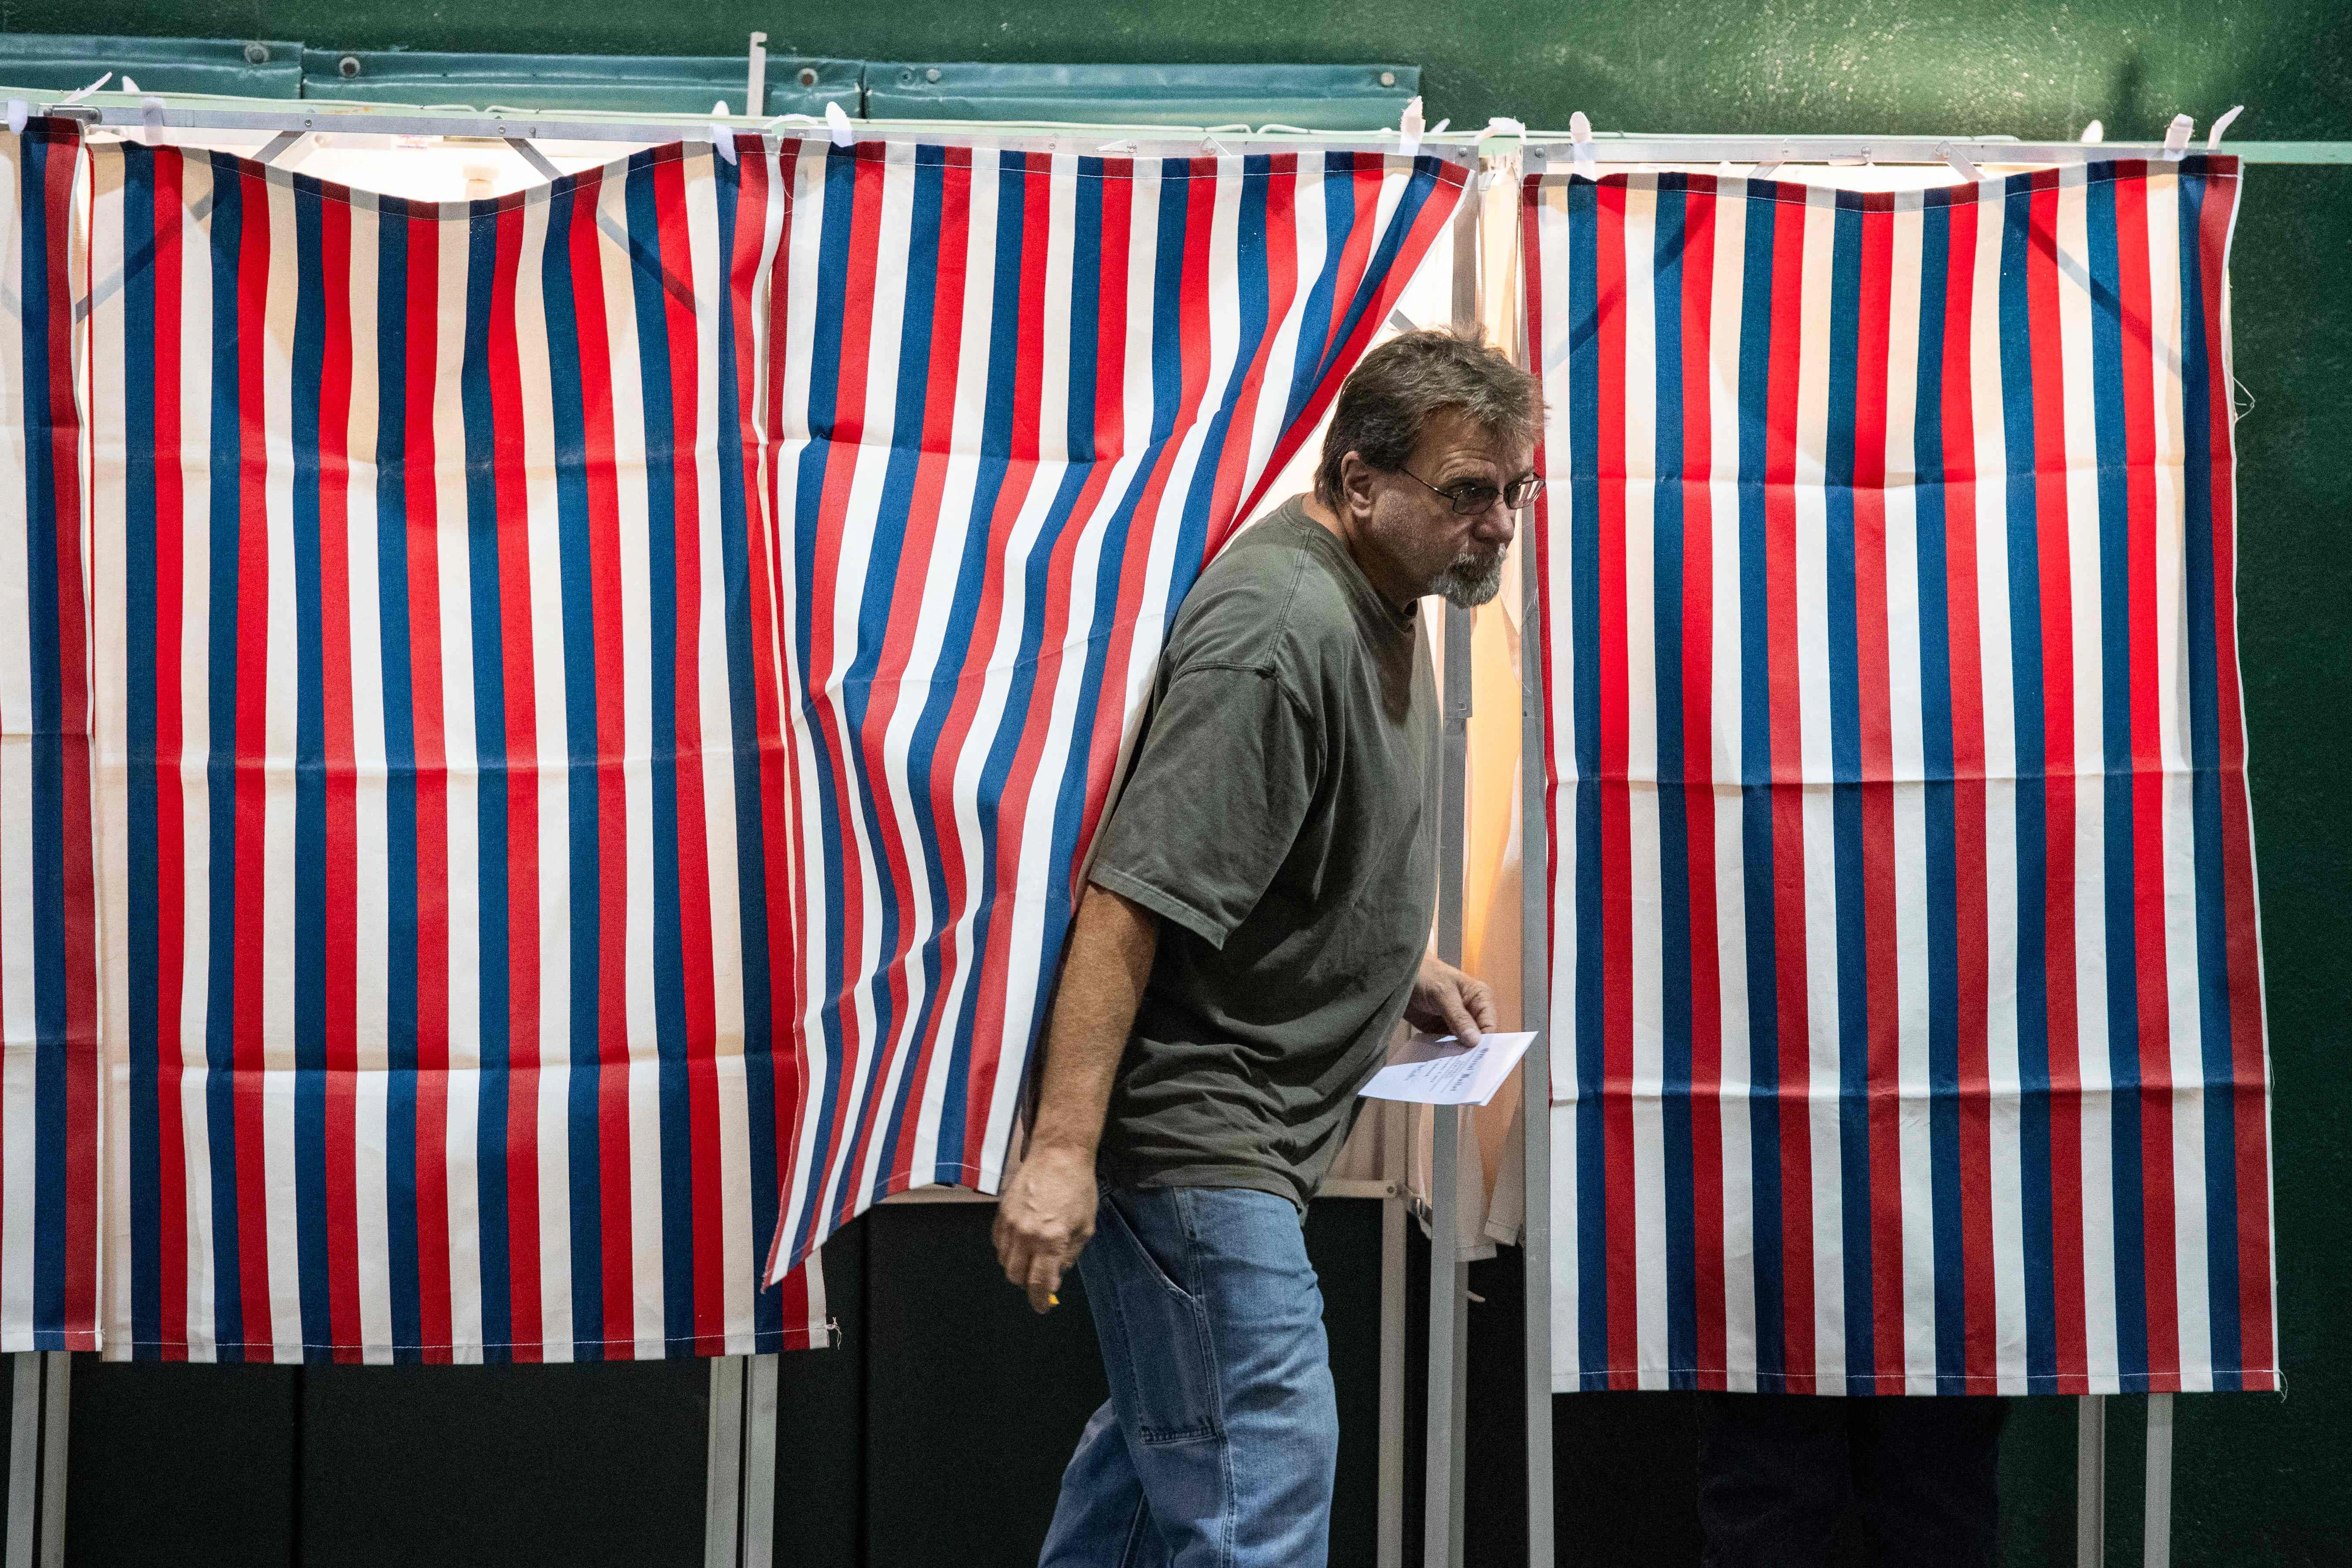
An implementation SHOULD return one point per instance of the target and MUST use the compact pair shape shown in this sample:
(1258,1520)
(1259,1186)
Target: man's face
(1430,546)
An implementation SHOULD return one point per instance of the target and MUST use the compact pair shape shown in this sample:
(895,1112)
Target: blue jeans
(1219,1443)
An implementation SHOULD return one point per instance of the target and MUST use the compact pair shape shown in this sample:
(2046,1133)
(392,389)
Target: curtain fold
(601,697)
(1907,997)
(49,1070)
(438,741)
(1021,399)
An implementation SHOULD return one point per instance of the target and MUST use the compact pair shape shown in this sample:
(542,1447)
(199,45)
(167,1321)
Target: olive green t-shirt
(1274,820)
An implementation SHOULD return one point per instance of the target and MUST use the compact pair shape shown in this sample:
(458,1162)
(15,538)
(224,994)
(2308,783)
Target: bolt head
(1388,79)
(931,75)
(808,76)
(348,67)
(256,53)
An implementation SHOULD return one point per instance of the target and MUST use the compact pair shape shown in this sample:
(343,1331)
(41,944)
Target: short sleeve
(1215,801)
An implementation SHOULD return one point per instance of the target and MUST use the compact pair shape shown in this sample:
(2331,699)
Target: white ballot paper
(1429,1071)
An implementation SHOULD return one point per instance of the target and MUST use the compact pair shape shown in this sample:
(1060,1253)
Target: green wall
(2260,1478)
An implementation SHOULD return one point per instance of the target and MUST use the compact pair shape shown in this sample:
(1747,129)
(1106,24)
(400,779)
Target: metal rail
(1545,150)
(1550,154)
(190,112)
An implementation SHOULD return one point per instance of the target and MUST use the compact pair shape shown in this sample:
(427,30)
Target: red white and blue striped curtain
(441,777)
(49,1076)
(1906,1000)
(1020,399)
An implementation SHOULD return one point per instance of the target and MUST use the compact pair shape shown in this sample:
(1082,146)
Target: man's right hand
(1044,1220)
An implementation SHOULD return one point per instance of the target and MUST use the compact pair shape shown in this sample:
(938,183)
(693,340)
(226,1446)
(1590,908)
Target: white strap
(838,123)
(722,137)
(1579,142)
(2176,138)
(2213,137)
(1410,126)
(1960,164)
(1490,172)
(19,114)
(84,92)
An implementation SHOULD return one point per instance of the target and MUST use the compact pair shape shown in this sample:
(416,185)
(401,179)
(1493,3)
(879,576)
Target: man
(1258,921)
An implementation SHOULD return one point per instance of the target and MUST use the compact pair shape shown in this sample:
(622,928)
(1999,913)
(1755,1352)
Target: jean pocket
(1171,1361)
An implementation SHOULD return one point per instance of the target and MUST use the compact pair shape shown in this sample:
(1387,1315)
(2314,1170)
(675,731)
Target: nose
(1496,526)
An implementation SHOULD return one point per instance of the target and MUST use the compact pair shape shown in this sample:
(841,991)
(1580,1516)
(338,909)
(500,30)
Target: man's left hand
(1447,1001)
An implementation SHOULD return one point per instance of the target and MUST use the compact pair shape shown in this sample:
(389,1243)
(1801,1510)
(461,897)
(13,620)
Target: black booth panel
(1343,1242)
(821,1425)
(504,1467)
(974,1402)
(179,1463)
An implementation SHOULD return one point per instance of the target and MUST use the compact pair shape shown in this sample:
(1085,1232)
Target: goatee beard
(1472,580)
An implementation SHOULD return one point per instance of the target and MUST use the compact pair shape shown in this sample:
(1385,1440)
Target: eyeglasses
(1470,497)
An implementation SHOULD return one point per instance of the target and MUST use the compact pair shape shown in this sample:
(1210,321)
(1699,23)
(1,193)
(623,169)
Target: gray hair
(1391,396)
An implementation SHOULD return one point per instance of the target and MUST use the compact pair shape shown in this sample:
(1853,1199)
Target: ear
(1358,482)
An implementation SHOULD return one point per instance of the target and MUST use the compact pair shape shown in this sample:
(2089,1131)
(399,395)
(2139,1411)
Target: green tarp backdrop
(2259,1478)
(1311,97)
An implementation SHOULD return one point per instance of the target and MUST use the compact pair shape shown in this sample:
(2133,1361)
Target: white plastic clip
(1580,142)
(755,74)
(151,112)
(2213,137)
(19,114)
(128,85)
(1410,126)
(722,138)
(2176,138)
(2095,132)
(83,93)
(1125,147)
(1960,164)
(838,123)
(1499,125)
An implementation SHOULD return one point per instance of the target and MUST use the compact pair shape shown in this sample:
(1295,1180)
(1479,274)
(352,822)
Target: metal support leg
(2091,1481)
(1394,1152)
(1449,1275)
(1449,1329)
(1535,1076)
(23,1458)
(760,1462)
(722,1493)
(37,1431)
(1535,1260)
(57,1402)
(2158,1551)
(1449,1278)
